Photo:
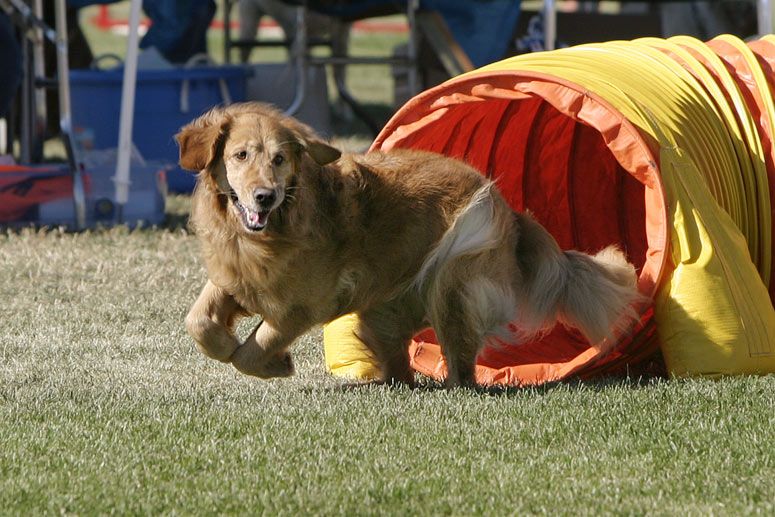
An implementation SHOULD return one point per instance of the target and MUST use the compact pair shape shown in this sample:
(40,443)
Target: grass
(106,407)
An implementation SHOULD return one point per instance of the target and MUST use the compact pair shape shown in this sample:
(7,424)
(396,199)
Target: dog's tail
(456,279)
(593,293)
(472,232)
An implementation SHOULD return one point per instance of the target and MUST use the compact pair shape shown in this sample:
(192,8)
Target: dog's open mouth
(255,221)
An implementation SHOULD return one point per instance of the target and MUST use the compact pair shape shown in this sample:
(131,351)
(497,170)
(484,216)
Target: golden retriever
(296,232)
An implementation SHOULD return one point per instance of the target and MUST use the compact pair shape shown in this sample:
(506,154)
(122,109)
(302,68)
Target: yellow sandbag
(346,355)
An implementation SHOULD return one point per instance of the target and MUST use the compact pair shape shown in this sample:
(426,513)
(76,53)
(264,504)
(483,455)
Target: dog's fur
(405,239)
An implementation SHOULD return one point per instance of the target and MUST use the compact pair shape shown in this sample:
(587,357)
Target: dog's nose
(265,197)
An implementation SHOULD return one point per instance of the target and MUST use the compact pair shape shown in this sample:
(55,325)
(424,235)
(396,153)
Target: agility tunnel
(664,147)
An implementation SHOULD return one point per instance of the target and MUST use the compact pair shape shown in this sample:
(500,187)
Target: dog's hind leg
(465,281)
(387,330)
(459,344)
(464,317)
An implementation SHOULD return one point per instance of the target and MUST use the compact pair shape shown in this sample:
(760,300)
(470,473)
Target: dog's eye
(241,155)
(278,160)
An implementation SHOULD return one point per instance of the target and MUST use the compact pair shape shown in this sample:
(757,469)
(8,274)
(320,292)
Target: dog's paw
(220,351)
(247,361)
(278,366)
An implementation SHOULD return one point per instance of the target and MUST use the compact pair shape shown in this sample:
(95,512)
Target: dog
(300,234)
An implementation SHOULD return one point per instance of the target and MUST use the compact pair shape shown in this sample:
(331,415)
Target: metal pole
(121,179)
(764,14)
(412,45)
(65,113)
(28,87)
(227,4)
(299,59)
(40,67)
(29,18)
(550,24)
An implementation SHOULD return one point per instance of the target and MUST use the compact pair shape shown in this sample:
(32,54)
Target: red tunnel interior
(563,171)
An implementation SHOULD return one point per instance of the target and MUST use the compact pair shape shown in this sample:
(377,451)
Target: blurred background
(343,67)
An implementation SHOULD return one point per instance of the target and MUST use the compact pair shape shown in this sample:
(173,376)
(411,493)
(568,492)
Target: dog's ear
(322,153)
(201,140)
(310,142)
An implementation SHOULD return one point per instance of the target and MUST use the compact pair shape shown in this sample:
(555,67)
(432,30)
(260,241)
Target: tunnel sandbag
(345,354)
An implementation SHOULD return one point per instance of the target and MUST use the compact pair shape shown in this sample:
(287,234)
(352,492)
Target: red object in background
(22,188)
(104,21)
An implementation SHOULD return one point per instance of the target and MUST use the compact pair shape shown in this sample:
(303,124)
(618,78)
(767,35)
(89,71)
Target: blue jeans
(178,27)
(484,28)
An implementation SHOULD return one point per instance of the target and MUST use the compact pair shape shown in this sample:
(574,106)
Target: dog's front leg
(211,322)
(265,353)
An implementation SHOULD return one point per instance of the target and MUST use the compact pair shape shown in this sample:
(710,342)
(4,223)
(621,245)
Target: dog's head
(253,154)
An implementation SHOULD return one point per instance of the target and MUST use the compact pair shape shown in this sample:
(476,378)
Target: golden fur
(295,232)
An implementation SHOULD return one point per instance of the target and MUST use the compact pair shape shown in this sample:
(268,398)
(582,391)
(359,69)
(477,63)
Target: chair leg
(354,105)
(413,46)
(299,60)
(227,31)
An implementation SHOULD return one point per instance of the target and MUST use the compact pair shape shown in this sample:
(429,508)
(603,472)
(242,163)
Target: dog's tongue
(258,218)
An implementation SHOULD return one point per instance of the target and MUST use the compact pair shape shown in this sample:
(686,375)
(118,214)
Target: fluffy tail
(593,293)
(473,231)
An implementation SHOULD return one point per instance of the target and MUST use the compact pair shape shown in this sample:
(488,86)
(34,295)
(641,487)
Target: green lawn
(106,407)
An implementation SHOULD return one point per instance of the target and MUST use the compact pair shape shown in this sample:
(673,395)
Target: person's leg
(195,36)
(250,14)
(168,25)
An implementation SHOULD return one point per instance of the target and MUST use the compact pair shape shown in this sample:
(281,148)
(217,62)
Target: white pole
(550,24)
(764,12)
(121,178)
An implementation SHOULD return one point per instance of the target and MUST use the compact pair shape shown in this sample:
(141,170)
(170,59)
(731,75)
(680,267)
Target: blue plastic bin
(159,112)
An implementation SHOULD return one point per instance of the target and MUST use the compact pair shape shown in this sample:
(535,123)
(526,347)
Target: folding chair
(300,45)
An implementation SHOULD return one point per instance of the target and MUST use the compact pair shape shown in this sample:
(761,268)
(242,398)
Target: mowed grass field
(107,408)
